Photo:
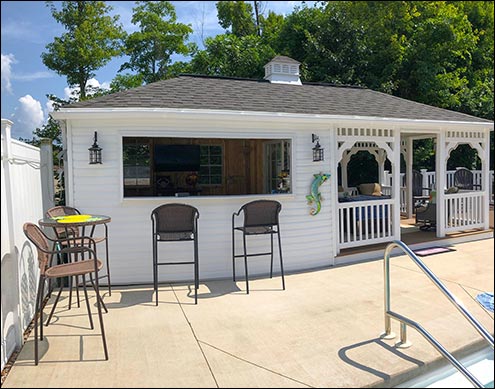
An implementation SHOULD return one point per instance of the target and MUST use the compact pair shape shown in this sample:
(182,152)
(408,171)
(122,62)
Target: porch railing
(464,211)
(387,190)
(365,222)
(429,179)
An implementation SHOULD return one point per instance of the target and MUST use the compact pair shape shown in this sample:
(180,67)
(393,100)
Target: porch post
(424,183)
(485,179)
(47,185)
(396,183)
(441,172)
(343,166)
(409,177)
(381,158)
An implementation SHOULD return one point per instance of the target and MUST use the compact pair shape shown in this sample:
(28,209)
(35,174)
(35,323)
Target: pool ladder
(404,321)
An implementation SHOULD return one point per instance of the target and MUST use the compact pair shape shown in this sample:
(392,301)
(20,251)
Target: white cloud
(92,82)
(32,76)
(27,117)
(22,30)
(48,107)
(7,61)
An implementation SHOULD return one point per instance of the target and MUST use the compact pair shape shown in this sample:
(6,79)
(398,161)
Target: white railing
(464,211)
(387,190)
(429,179)
(365,222)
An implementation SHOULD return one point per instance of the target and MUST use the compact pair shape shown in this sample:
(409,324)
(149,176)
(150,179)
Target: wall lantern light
(95,152)
(317,150)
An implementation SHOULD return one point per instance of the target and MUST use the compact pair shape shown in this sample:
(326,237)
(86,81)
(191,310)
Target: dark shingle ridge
(195,75)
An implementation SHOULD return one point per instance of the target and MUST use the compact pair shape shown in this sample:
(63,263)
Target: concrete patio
(323,331)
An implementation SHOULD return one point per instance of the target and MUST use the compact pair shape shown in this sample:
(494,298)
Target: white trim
(68,173)
(285,196)
(79,113)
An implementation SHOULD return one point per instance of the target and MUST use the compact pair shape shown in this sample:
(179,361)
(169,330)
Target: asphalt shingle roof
(222,93)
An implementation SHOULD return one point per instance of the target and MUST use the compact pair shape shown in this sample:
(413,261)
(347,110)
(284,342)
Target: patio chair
(427,215)
(61,232)
(82,268)
(175,223)
(418,190)
(260,218)
(464,179)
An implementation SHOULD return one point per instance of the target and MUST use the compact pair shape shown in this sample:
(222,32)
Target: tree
(238,16)
(91,41)
(229,55)
(125,81)
(159,37)
(270,27)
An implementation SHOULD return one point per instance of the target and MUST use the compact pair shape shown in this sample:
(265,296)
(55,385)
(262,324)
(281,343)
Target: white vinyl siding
(307,241)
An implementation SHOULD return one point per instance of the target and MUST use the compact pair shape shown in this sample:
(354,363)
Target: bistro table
(75,221)
(70,223)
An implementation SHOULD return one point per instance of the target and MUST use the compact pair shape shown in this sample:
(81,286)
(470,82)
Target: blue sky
(28,26)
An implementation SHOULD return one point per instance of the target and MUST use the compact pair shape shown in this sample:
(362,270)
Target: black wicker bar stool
(175,223)
(261,217)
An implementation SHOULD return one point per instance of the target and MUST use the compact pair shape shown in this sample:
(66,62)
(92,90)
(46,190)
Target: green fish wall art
(314,198)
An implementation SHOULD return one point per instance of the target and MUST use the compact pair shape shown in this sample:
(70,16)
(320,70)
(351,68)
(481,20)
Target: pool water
(479,364)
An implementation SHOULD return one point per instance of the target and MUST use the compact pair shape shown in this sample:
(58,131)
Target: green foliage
(362,168)
(424,154)
(270,27)
(125,81)
(91,41)
(159,37)
(229,55)
(238,16)
(438,53)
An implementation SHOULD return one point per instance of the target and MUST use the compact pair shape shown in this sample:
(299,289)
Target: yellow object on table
(73,218)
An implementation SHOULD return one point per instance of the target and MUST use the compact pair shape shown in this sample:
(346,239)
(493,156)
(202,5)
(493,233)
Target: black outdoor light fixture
(317,150)
(95,152)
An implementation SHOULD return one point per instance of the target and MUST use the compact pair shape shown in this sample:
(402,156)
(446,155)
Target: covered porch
(370,220)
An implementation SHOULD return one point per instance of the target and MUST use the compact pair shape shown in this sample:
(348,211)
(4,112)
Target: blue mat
(486,300)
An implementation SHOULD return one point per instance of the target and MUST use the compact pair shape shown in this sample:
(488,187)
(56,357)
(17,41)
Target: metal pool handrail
(406,321)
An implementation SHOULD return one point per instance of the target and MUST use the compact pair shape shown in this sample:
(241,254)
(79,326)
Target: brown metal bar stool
(175,223)
(261,217)
(81,267)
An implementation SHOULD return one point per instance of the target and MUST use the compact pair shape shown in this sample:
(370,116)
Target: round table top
(74,220)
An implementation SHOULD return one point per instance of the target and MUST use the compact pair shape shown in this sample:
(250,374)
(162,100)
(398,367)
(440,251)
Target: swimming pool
(480,364)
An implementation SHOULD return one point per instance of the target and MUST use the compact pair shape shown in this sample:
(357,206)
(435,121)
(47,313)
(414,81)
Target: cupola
(283,70)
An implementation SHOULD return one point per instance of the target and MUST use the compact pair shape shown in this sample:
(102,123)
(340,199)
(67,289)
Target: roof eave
(80,113)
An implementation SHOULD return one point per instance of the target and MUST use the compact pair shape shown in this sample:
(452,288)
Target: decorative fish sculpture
(315,197)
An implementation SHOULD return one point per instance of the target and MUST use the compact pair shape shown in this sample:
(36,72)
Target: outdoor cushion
(452,189)
(372,189)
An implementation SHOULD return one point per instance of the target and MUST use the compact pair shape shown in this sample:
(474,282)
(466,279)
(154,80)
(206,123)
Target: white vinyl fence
(21,202)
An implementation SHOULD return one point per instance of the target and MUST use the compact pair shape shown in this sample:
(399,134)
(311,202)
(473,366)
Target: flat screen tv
(176,158)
